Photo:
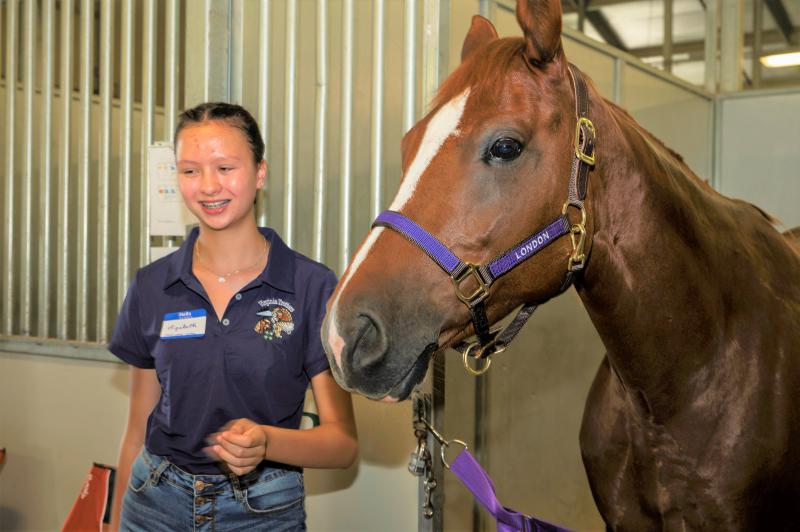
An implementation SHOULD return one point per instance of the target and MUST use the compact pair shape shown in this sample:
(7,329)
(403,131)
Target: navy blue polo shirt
(254,362)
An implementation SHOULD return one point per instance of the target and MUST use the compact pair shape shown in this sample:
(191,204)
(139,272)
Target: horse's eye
(505,149)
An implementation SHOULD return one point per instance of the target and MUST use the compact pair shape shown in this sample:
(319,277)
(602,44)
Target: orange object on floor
(93,506)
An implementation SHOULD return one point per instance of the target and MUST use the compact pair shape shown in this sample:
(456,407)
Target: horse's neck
(663,272)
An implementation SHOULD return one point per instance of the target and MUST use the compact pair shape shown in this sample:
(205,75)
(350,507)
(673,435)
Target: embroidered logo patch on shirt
(184,324)
(276,321)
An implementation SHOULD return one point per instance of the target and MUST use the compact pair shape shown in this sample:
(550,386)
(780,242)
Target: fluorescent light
(781,60)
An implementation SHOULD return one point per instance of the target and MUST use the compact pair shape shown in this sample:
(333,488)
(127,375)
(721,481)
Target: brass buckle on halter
(584,127)
(480,292)
(578,258)
(480,355)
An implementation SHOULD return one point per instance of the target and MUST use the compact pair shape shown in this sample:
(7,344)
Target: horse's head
(486,168)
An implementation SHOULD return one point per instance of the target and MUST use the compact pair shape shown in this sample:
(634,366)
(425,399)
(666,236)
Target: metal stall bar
(346,163)
(45,175)
(409,64)
(263,97)
(291,120)
(434,67)
(26,266)
(11,92)
(148,78)
(171,68)
(237,38)
(62,283)
(104,170)
(667,53)
(376,173)
(125,157)
(84,173)
(321,124)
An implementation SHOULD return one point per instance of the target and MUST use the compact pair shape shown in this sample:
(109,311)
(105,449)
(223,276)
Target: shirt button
(226,322)
(238,297)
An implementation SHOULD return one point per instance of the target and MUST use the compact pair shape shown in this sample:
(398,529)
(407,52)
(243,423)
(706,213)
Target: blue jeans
(161,496)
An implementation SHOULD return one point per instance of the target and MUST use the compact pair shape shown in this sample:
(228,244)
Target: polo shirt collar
(279,272)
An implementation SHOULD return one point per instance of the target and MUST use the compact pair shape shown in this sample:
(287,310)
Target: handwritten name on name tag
(185,324)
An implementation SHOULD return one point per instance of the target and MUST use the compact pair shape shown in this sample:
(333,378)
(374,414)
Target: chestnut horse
(693,419)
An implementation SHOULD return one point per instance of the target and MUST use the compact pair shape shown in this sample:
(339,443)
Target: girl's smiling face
(217,175)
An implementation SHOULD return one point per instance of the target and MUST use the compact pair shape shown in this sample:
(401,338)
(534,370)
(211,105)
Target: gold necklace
(223,277)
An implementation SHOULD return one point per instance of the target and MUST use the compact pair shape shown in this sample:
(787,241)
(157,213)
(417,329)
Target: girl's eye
(188,172)
(224,169)
(505,149)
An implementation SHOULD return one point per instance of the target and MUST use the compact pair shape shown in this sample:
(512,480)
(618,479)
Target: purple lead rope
(472,475)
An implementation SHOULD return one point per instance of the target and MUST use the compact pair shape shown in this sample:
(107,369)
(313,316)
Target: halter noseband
(495,341)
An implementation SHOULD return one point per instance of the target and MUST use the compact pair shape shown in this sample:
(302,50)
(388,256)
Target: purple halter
(490,342)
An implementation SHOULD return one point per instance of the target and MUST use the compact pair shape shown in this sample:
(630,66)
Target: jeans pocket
(275,493)
(140,475)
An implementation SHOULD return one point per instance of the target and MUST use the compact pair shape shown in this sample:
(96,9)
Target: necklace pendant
(221,279)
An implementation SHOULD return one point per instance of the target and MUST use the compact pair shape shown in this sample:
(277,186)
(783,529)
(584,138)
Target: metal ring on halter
(470,370)
(445,445)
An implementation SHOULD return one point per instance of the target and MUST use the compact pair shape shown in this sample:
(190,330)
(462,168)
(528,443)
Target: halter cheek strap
(489,341)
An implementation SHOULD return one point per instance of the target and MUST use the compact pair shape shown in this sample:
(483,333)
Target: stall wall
(57,416)
(758,156)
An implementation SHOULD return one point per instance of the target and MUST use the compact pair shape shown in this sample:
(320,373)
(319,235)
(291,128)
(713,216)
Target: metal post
(84,172)
(376,171)
(45,179)
(125,156)
(8,239)
(582,16)
(208,68)
(171,68)
(237,50)
(409,64)
(62,282)
(345,165)
(321,123)
(263,98)
(434,67)
(731,45)
(290,90)
(26,242)
(148,103)
(104,169)
(711,45)
(668,14)
(758,26)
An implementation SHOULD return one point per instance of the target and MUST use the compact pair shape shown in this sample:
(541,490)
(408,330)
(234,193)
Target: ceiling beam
(604,27)
(781,17)
(569,6)
(695,47)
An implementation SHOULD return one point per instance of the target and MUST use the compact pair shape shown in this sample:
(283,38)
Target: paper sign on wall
(168,214)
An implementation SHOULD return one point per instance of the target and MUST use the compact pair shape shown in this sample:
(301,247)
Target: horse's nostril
(371,343)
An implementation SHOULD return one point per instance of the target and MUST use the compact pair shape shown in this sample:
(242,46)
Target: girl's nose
(209,183)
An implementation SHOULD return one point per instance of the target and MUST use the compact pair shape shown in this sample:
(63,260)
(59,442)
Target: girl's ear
(261,174)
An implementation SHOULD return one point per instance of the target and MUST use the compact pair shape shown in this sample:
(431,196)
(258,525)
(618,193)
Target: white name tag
(185,324)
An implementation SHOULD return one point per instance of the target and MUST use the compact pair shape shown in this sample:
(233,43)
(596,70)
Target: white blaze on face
(443,125)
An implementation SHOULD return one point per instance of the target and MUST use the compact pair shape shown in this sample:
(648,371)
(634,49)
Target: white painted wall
(57,416)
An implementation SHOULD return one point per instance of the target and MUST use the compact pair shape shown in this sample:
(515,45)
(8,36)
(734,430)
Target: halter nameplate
(460,270)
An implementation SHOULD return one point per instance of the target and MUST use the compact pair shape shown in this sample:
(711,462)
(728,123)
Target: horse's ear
(540,21)
(480,32)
